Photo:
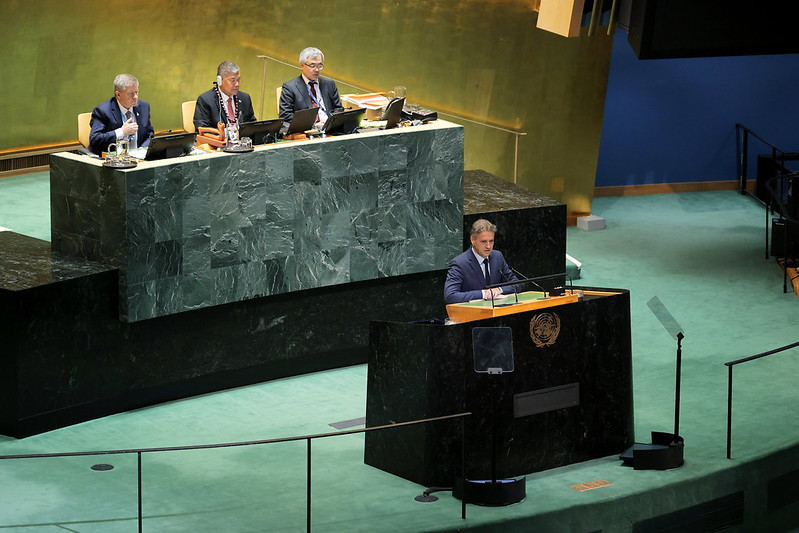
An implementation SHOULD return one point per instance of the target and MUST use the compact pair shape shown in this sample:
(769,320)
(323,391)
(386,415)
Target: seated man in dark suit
(124,116)
(309,89)
(224,103)
(479,266)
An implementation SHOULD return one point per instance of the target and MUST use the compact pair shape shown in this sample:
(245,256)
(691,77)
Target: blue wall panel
(673,120)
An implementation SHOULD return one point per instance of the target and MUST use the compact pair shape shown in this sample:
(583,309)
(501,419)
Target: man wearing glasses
(309,89)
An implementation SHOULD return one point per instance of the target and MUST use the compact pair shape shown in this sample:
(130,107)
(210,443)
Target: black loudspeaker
(778,242)
(766,169)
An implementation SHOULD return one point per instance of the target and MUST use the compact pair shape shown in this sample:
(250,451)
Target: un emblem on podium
(544,329)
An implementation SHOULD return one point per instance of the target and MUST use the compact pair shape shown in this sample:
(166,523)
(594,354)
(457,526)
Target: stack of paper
(367,101)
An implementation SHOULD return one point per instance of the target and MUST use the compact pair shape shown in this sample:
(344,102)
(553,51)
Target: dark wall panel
(690,28)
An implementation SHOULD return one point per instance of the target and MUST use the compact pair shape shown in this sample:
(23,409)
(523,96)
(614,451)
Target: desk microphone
(531,281)
(517,272)
(515,291)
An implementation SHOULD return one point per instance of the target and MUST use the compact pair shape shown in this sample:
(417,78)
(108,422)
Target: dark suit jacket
(465,279)
(295,96)
(107,117)
(208,110)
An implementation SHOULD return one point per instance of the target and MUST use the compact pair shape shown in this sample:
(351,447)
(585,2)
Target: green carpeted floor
(702,254)
(25,204)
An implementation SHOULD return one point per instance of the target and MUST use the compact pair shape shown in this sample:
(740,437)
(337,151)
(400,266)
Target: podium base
(491,493)
(665,452)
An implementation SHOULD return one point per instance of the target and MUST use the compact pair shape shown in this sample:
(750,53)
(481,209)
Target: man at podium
(472,271)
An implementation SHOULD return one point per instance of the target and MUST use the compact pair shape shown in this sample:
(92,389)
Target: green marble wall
(483,60)
(207,230)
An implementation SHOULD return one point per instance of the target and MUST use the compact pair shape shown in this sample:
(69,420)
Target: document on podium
(480,309)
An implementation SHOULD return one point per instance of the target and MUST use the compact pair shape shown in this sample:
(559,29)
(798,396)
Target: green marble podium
(211,229)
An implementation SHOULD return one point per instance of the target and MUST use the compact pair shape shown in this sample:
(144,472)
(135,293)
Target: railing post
(729,412)
(141,524)
(768,208)
(744,161)
(516,136)
(263,88)
(308,488)
(463,468)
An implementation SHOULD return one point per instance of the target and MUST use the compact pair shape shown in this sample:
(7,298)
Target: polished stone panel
(67,357)
(486,193)
(27,264)
(531,227)
(564,402)
(214,229)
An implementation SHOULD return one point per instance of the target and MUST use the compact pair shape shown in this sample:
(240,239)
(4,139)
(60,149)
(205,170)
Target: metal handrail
(307,438)
(730,365)
(515,133)
(742,134)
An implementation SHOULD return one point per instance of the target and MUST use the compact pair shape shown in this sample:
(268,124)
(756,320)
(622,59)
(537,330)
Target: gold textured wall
(479,59)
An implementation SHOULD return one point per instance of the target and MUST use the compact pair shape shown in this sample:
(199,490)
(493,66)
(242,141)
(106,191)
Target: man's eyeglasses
(315,66)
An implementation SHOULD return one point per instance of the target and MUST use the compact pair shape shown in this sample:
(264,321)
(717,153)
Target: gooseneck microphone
(544,297)
(515,290)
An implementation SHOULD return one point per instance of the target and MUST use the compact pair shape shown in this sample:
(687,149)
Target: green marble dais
(215,229)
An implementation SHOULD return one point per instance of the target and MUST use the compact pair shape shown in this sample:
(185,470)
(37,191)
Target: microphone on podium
(515,290)
(530,280)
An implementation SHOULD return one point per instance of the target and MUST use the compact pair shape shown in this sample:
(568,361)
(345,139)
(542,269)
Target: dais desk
(211,229)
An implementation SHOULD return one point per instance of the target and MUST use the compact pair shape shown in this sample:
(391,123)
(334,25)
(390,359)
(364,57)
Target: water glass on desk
(232,135)
(120,151)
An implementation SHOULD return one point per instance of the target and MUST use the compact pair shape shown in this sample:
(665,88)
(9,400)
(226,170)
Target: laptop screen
(167,146)
(393,114)
(302,120)
(261,132)
(344,122)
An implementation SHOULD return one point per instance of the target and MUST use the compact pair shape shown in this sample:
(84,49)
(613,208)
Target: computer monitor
(262,131)
(393,113)
(302,120)
(344,122)
(173,145)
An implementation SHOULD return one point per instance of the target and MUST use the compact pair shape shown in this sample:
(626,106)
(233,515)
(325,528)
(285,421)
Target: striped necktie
(312,89)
